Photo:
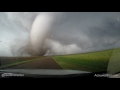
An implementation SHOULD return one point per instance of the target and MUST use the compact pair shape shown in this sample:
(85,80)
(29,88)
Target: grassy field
(12,61)
(93,61)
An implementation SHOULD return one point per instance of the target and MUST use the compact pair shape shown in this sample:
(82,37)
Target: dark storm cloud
(89,31)
(107,35)
(72,32)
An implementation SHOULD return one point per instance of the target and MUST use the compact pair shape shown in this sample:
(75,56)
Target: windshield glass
(88,42)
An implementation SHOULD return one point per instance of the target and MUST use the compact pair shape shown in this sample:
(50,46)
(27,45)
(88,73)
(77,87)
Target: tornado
(40,29)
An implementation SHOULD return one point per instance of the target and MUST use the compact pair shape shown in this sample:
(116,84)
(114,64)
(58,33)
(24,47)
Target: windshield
(50,43)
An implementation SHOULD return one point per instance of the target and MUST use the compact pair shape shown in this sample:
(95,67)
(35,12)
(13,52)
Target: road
(42,63)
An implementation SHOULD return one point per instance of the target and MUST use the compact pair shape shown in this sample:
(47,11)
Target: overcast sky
(72,32)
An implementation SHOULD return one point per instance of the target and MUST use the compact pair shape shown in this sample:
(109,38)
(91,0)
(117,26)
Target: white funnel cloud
(40,30)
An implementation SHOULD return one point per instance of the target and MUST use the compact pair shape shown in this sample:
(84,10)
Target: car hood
(44,71)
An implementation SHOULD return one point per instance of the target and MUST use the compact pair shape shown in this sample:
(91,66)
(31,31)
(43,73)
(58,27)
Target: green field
(6,62)
(107,60)
(93,61)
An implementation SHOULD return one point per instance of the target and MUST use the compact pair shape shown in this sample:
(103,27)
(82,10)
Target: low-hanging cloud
(56,48)
(57,33)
